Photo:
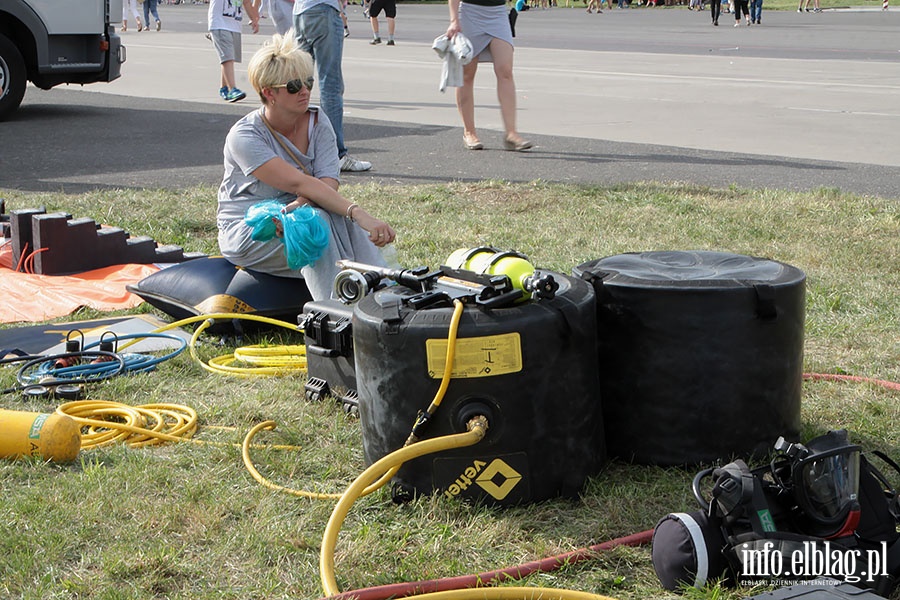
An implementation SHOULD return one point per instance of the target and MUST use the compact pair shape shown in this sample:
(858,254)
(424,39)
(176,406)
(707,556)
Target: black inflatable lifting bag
(687,550)
(214,285)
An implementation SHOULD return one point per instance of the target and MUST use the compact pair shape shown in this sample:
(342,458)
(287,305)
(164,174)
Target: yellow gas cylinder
(490,261)
(52,437)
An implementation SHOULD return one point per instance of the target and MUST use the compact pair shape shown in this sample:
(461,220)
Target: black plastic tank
(530,368)
(700,354)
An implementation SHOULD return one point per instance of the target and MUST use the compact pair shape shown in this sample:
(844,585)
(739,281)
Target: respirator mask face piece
(824,479)
(827,486)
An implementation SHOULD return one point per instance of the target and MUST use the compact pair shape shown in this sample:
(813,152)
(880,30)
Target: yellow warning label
(476,356)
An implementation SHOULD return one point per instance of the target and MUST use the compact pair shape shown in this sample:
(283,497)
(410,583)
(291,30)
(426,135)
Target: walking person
(715,8)
(286,151)
(320,32)
(756,11)
(486,25)
(741,8)
(390,13)
(130,6)
(344,18)
(224,18)
(281,12)
(150,8)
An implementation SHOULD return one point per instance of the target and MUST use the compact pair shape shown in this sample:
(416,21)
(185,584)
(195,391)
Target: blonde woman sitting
(286,151)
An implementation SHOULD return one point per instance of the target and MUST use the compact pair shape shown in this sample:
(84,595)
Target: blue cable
(109,365)
(136,362)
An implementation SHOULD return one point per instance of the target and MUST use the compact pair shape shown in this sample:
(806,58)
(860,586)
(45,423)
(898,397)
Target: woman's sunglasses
(295,85)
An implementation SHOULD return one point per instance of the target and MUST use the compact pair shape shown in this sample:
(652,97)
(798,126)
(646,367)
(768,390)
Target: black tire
(12,78)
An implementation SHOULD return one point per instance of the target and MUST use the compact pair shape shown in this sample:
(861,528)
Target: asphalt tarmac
(805,101)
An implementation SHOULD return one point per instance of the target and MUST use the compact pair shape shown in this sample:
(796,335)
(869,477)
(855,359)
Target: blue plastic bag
(305,231)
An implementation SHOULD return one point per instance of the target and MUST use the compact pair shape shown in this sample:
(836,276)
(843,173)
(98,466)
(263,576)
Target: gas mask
(823,478)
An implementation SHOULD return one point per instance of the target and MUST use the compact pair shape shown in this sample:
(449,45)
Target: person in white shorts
(224,21)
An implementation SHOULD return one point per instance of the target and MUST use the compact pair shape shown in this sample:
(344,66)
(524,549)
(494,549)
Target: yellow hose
(273,356)
(182,423)
(229,316)
(451,356)
(248,463)
(477,430)
(274,360)
(389,474)
(290,359)
(105,423)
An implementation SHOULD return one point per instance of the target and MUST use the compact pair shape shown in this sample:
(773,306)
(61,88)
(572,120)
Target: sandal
(517,146)
(472,143)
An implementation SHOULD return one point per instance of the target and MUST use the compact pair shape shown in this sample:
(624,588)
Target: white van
(48,42)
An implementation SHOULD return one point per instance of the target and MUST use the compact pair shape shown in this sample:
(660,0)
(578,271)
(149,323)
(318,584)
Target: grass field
(184,520)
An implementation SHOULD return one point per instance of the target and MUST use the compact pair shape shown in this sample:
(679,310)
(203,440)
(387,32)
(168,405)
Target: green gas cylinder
(486,260)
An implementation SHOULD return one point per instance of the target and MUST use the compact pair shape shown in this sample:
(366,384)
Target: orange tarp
(33,298)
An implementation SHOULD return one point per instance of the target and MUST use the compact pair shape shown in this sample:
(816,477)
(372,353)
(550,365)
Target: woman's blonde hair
(277,62)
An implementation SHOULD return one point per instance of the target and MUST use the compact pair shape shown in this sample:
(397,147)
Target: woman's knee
(469,73)
(504,76)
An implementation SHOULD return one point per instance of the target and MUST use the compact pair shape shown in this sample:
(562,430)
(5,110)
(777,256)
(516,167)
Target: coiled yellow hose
(293,356)
(270,360)
(274,360)
(104,423)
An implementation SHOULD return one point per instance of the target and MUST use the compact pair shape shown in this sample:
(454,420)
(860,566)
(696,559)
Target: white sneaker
(348,163)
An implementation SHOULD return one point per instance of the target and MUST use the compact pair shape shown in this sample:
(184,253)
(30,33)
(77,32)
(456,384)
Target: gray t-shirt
(248,146)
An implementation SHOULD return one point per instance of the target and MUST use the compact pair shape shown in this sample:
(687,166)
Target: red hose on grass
(834,377)
(545,565)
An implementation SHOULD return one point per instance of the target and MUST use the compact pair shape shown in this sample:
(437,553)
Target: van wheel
(12,77)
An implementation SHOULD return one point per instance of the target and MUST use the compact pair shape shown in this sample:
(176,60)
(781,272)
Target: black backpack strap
(894,500)
(879,504)
(740,499)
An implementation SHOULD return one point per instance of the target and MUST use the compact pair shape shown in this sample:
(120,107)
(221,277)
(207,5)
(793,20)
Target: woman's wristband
(349,215)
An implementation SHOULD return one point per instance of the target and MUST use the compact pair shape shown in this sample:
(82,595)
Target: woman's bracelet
(349,214)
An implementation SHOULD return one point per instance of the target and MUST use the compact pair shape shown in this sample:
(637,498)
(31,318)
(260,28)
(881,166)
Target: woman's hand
(292,206)
(289,207)
(379,232)
(454,28)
